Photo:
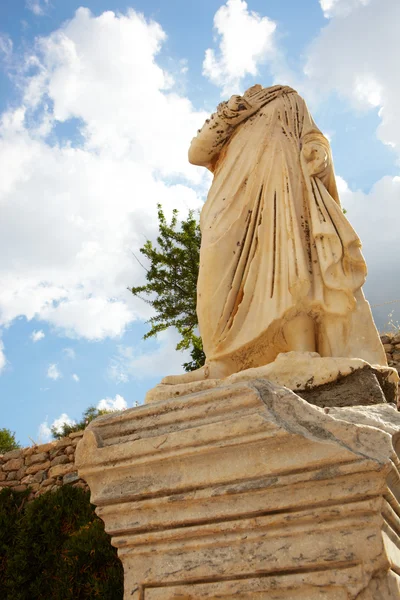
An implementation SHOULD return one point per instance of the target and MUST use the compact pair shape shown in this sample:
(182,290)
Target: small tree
(171,282)
(90,413)
(7,441)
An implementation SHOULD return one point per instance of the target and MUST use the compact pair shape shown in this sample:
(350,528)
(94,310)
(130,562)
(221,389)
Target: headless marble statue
(280,266)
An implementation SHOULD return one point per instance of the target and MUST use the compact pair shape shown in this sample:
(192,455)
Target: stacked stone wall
(41,468)
(391,343)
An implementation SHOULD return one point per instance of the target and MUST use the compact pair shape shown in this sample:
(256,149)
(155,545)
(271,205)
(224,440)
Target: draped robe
(275,242)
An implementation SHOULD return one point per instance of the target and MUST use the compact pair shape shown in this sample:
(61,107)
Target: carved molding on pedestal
(248,491)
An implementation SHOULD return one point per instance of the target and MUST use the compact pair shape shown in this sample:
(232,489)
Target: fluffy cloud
(53,372)
(358,57)
(370,214)
(36,336)
(63,419)
(74,207)
(117,403)
(75,377)
(130,363)
(78,317)
(245,40)
(44,431)
(375,215)
(340,8)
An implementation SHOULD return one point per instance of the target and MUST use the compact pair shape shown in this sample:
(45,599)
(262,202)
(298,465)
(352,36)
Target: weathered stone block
(39,476)
(48,482)
(33,459)
(29,451)
(388,347)
(13,464)
(12,454)
(27,479)
(60,460)
(249,491)
(63,443)
(38,467)
(21,473)
(56,452)
(359,388)
(71,477)
(46,447)
(60,470)
(309,375)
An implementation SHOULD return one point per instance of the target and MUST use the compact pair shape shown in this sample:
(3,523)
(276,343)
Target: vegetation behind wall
(55,548)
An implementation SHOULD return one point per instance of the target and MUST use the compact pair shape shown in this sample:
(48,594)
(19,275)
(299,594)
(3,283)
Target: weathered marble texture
(280,266)
(248,491)
(298,371)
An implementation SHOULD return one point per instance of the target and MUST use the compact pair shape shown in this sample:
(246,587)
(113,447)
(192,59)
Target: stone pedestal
(248,491)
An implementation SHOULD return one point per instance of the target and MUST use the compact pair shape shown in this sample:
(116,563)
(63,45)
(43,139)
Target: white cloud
(36,336)
(44,431)
(72,212)
(340,8)
(53,372)
(246,40)
(75,377)
(358,57)
(38,7)
(375,216)
(3,359)
(63,419)
(69,353)
(372,214)
(78,317)
(117,403)
(130,363)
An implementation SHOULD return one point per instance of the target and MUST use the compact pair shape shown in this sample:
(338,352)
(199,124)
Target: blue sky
(98,103)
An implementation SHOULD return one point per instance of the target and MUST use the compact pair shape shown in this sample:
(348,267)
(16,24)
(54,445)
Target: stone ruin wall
(391,343)
(47,466)
(41,468)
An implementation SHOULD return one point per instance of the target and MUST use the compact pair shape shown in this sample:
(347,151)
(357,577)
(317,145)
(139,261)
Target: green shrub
(55,548)
(7,441)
